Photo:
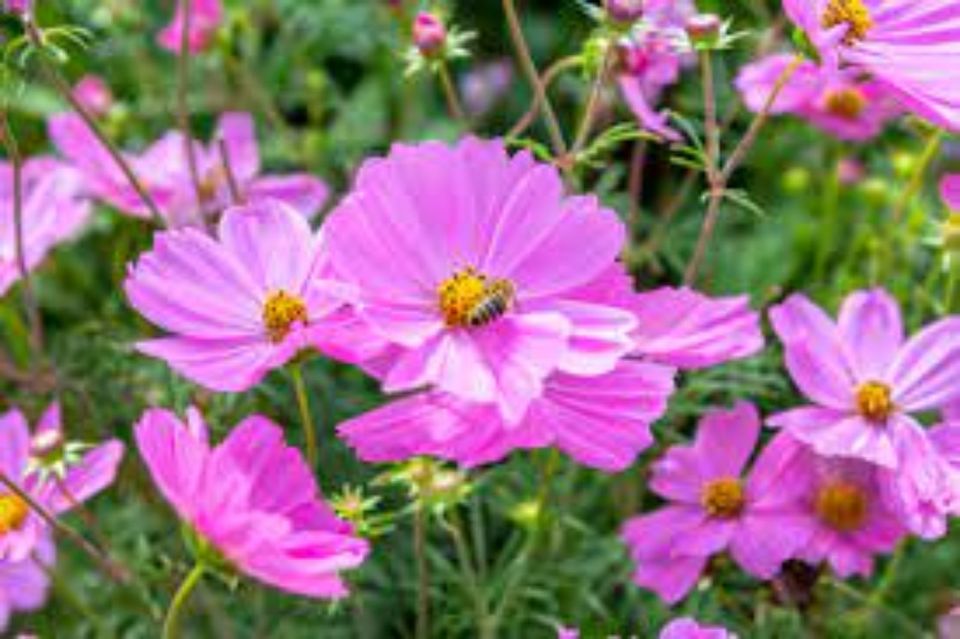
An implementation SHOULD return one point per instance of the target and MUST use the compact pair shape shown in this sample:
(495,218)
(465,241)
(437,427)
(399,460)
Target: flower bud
(429,34)
(703,29)
(94,94)
(19,7)
(624,11)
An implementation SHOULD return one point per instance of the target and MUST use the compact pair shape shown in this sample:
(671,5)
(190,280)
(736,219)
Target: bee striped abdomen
(497,300)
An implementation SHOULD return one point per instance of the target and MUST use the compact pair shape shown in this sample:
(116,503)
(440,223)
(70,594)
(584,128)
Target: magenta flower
(206,16)
(713,507)
(849,517)
(862,376)
(840,103)
(865,380)
(165,172)
(429,33)
(53,211)
(687,628)
(907,46)
(253,500)
(24,584)
(74,478)
(466,259)
(651,60)
(950,191)
(602,421)
(246,302)
(93,93)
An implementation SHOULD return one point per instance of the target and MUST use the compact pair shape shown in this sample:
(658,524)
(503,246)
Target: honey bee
(496,301)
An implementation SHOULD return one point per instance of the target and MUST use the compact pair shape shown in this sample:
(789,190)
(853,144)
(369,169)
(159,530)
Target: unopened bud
(703,29)
(429,34)
(624,11)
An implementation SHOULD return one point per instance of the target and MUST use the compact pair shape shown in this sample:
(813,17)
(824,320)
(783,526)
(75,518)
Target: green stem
(828,212)
(306,419)
(183,108)
(590,111)
(450,93)
(533,77)
(423,570)
(916,180)
(171,624)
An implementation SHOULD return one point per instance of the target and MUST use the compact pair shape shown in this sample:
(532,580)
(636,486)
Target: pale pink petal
(227,365)
(672,579)
(813,352)
(91,475)
(726,439)
(950,191)
(872,329)
(925,372)
(303,192)
(238,132)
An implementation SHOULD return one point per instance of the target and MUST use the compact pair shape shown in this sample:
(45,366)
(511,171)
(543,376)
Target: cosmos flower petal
(925,372)
(238,132)
(870,325)
(950,191)
(813,352)
(88,477)
(726,439)
(303,192)
(16,443)
(671,579)
(684,328)
(228,365)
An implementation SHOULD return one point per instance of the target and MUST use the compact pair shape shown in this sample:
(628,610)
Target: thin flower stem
(455,528)
(916,180)
(721,176)
(515,578)
(450,93)
(183,109)
(100,557)
(29,299)
(236,196)
(60,85)
(171,623)
(533,77)
(546,80)
(423,569)
(590,111)
(306,419)
(62,588)
(635,186)
(711,129)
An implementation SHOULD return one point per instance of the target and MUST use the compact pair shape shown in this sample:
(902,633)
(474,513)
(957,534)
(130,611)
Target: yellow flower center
(280,312)
(469,298)
(845,103)
(723,497)
(841,506)
(874,402)
(853,13)
(13,512)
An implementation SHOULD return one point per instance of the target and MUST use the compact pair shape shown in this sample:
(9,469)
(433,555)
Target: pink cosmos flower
(849,517)
(950,191)
(21,529)
(466,261)
(165,172)
(839,102)
(94,94)
(567,633)
(687,628)
(246,302)
(865,380)
(602,421)
(24,584)
(53,211)
(206,16)
(253,499)
(483,86)
(713,507)
(651,60)
(862,375)
(907,46)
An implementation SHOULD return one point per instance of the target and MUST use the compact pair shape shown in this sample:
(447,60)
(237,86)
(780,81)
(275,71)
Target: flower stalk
(171,623)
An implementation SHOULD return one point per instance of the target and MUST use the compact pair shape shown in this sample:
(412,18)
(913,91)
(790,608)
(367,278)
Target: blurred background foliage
(325,79)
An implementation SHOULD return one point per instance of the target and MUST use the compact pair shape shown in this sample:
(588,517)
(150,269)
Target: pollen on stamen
(469,298)
(723,498)
(853,13)
(841,506)
(13,513)
(847,104)
(281,311)
(875,402)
